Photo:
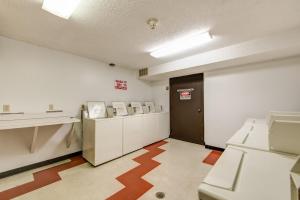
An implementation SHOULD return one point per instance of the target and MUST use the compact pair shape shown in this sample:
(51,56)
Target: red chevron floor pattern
(212,157)
(41,179)
(135,185)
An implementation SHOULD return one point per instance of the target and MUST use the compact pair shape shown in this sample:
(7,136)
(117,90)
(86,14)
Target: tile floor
(177,172)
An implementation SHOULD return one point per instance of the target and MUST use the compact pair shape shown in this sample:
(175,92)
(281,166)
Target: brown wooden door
(186,108)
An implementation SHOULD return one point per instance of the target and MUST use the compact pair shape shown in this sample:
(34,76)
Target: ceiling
(116,30)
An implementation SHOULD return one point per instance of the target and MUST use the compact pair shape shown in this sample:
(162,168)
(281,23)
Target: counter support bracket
(70,136)
(34,138)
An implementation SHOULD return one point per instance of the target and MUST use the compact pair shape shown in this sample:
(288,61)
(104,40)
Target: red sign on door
(120,85)
(185,95)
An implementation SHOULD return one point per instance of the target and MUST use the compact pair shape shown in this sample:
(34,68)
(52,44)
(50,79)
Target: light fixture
(61,8)
(182,44)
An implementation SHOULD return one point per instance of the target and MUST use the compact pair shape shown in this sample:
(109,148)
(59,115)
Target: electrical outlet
(6,108)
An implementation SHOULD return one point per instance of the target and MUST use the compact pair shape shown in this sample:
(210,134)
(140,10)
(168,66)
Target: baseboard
(37,165)
(214,148)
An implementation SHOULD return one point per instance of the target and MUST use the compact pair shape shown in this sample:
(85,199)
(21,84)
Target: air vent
(143,72)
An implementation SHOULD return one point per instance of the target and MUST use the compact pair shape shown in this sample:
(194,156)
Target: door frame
(203,109)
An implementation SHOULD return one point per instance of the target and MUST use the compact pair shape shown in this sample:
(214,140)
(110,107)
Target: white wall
(232,95)
(33,77)
(160,94)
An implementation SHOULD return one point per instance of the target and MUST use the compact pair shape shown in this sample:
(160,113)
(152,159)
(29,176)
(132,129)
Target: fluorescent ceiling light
(61,8)
(182,44)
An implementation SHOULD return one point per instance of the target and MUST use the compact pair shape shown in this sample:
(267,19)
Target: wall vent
(143,72)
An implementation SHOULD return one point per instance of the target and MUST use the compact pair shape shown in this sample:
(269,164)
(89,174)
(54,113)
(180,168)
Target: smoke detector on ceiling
(152,22)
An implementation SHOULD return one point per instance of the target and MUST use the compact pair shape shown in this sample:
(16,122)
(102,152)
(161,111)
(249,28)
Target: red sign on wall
(120,85)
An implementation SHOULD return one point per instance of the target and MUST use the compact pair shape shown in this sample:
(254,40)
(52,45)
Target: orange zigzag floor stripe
(41,179)
(212,157)
(135,186)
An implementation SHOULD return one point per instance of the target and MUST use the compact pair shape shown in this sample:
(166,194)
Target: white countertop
(34,120)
